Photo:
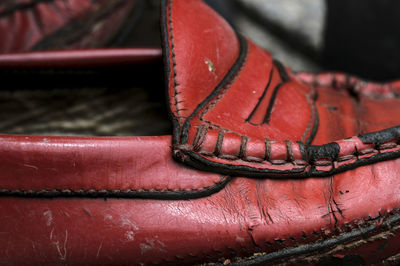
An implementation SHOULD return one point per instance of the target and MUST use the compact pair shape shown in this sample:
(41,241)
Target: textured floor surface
(94,111)
(99,103)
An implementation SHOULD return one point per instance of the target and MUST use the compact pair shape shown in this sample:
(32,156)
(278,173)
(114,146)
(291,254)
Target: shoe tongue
(201,49)
(229,99)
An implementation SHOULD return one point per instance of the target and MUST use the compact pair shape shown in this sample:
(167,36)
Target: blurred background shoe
(32,25)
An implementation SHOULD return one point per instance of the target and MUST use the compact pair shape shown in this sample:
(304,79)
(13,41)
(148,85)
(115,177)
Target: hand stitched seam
(320,162)
(173,57)
(212,104)
(223,179)
(353,84)
(312,121)
(233,72)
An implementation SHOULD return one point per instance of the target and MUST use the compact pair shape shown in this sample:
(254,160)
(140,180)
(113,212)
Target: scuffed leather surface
(210,61)
(245,216)
(260,119)
(130,164)
(32,24)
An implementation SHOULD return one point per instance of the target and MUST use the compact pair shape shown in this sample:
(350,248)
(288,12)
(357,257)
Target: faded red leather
(125,201)
(262,120)
(246,216)
(95,163)
(31,24)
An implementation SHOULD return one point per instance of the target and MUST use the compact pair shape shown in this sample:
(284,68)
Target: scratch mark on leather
(213,103)
(253,216)
(87,212)
(373,172)
(62,251)
(49,217)
(231,206)
(98,250)
(211,67)
(261,204)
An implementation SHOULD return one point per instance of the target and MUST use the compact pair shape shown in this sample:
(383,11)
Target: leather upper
(244,113)
(117,167)
(289,164)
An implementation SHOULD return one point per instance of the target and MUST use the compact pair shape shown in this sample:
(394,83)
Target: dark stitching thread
(354,87)
(312,121)
(282,71)
(289,151)
(173,57)
(309,170)
(320,162)
(376,155)
(262,96)
(271,103)
(371,227)
(126,193)
(315,126)
(267,149)
(200,137)
(285,79)
(232,73)
(167,68)
(243,147)
(218,146)
(212,104)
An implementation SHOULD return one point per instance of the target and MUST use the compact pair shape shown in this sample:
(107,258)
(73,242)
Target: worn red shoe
(291,168)
(27,25)
(70,33)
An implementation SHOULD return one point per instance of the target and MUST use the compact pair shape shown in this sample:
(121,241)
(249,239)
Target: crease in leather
(303,249)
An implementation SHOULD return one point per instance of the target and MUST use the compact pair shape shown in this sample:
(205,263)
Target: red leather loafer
(271,167)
